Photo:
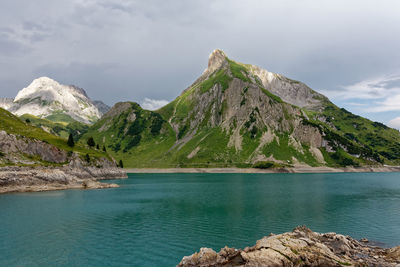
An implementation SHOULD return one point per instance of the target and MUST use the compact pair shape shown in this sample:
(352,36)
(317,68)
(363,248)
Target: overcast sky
(149,51)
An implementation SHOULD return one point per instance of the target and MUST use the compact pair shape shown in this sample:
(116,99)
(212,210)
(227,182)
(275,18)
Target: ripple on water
(156,219)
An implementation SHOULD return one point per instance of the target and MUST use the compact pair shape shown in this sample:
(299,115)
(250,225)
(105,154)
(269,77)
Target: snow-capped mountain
(46,98)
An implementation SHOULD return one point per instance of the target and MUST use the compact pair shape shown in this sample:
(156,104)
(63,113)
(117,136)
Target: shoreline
(301,247)
(37,179)
(298,169)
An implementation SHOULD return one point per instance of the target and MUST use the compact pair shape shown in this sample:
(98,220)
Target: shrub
(136,127)
(263,165)
(121,164)
(70,141)
(91,142)
(87,158)
(134,142)
(253,131)
(156,124)
(182,131)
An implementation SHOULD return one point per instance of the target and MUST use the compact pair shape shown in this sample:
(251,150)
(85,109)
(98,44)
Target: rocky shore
(296,169)
(32,179)
(301,247)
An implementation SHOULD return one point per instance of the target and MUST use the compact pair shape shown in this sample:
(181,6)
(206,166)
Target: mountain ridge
(239,115)
(46,98)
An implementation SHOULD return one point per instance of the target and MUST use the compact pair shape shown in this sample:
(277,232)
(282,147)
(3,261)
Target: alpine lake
(156,219)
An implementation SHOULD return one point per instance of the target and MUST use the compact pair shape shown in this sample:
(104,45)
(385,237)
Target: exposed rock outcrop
(45,97)
(29,179)
(103,108)
(15,147)
(302,247)
(67,170)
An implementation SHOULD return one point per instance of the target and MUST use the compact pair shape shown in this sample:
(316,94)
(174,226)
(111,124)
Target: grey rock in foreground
(30,179)
(302,247)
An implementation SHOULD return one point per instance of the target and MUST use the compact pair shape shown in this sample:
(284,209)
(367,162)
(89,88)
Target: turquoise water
(156,219)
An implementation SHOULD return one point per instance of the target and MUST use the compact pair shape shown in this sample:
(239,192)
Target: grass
(239,71)
(283,151)
(271,95)
(13,125)
(144,144)
(60,117)
(60,129)
(220,77)
(365,137)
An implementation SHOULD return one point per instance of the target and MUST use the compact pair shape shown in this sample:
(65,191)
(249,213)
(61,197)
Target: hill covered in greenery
(239,115)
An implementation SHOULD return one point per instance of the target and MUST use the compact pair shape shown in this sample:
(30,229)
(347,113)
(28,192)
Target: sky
(150,51)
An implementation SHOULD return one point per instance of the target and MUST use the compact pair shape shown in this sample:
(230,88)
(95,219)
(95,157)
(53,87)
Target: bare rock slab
(301,247)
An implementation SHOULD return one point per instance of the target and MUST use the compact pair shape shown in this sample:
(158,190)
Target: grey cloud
(10,48)
(118,49)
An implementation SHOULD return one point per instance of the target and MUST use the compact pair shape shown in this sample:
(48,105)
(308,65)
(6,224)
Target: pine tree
(87,157)
(91,142)
(104,149)
(121,164)
(70,141)
(97,147)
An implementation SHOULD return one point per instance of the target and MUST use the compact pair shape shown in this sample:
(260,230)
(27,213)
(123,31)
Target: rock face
(29,179)
(302,247)
(103,108)
(239,115)
(14,148)
(291,91)
(46,98)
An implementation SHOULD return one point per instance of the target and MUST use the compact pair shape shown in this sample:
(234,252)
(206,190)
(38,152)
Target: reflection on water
(156,219)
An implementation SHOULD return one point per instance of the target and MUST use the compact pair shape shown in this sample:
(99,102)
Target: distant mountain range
(46,98)
(233,115)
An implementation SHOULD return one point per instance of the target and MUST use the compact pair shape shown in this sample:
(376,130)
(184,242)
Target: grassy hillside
(230,118)
(372,140)
(62,129)
(14,125)
(132,135)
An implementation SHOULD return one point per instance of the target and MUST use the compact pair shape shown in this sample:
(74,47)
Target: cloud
(153,104)
(395,123)
(380,94)
(157,48)
(356,104)
(373,88)
(391,103)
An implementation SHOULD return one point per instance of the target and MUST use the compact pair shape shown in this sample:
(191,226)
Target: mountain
(24,144)
(60,129)
(46,98)
(240,115)
(103,108)
(6,102)
(126,127)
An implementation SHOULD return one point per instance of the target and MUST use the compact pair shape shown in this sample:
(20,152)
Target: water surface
(156,219)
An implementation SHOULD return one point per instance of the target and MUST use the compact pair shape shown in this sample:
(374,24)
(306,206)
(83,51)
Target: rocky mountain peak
(117,109)
(46,98)
(216,59)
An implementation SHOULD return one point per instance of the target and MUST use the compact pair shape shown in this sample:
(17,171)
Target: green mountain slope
(34,139)
(57,128)
(241,115)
